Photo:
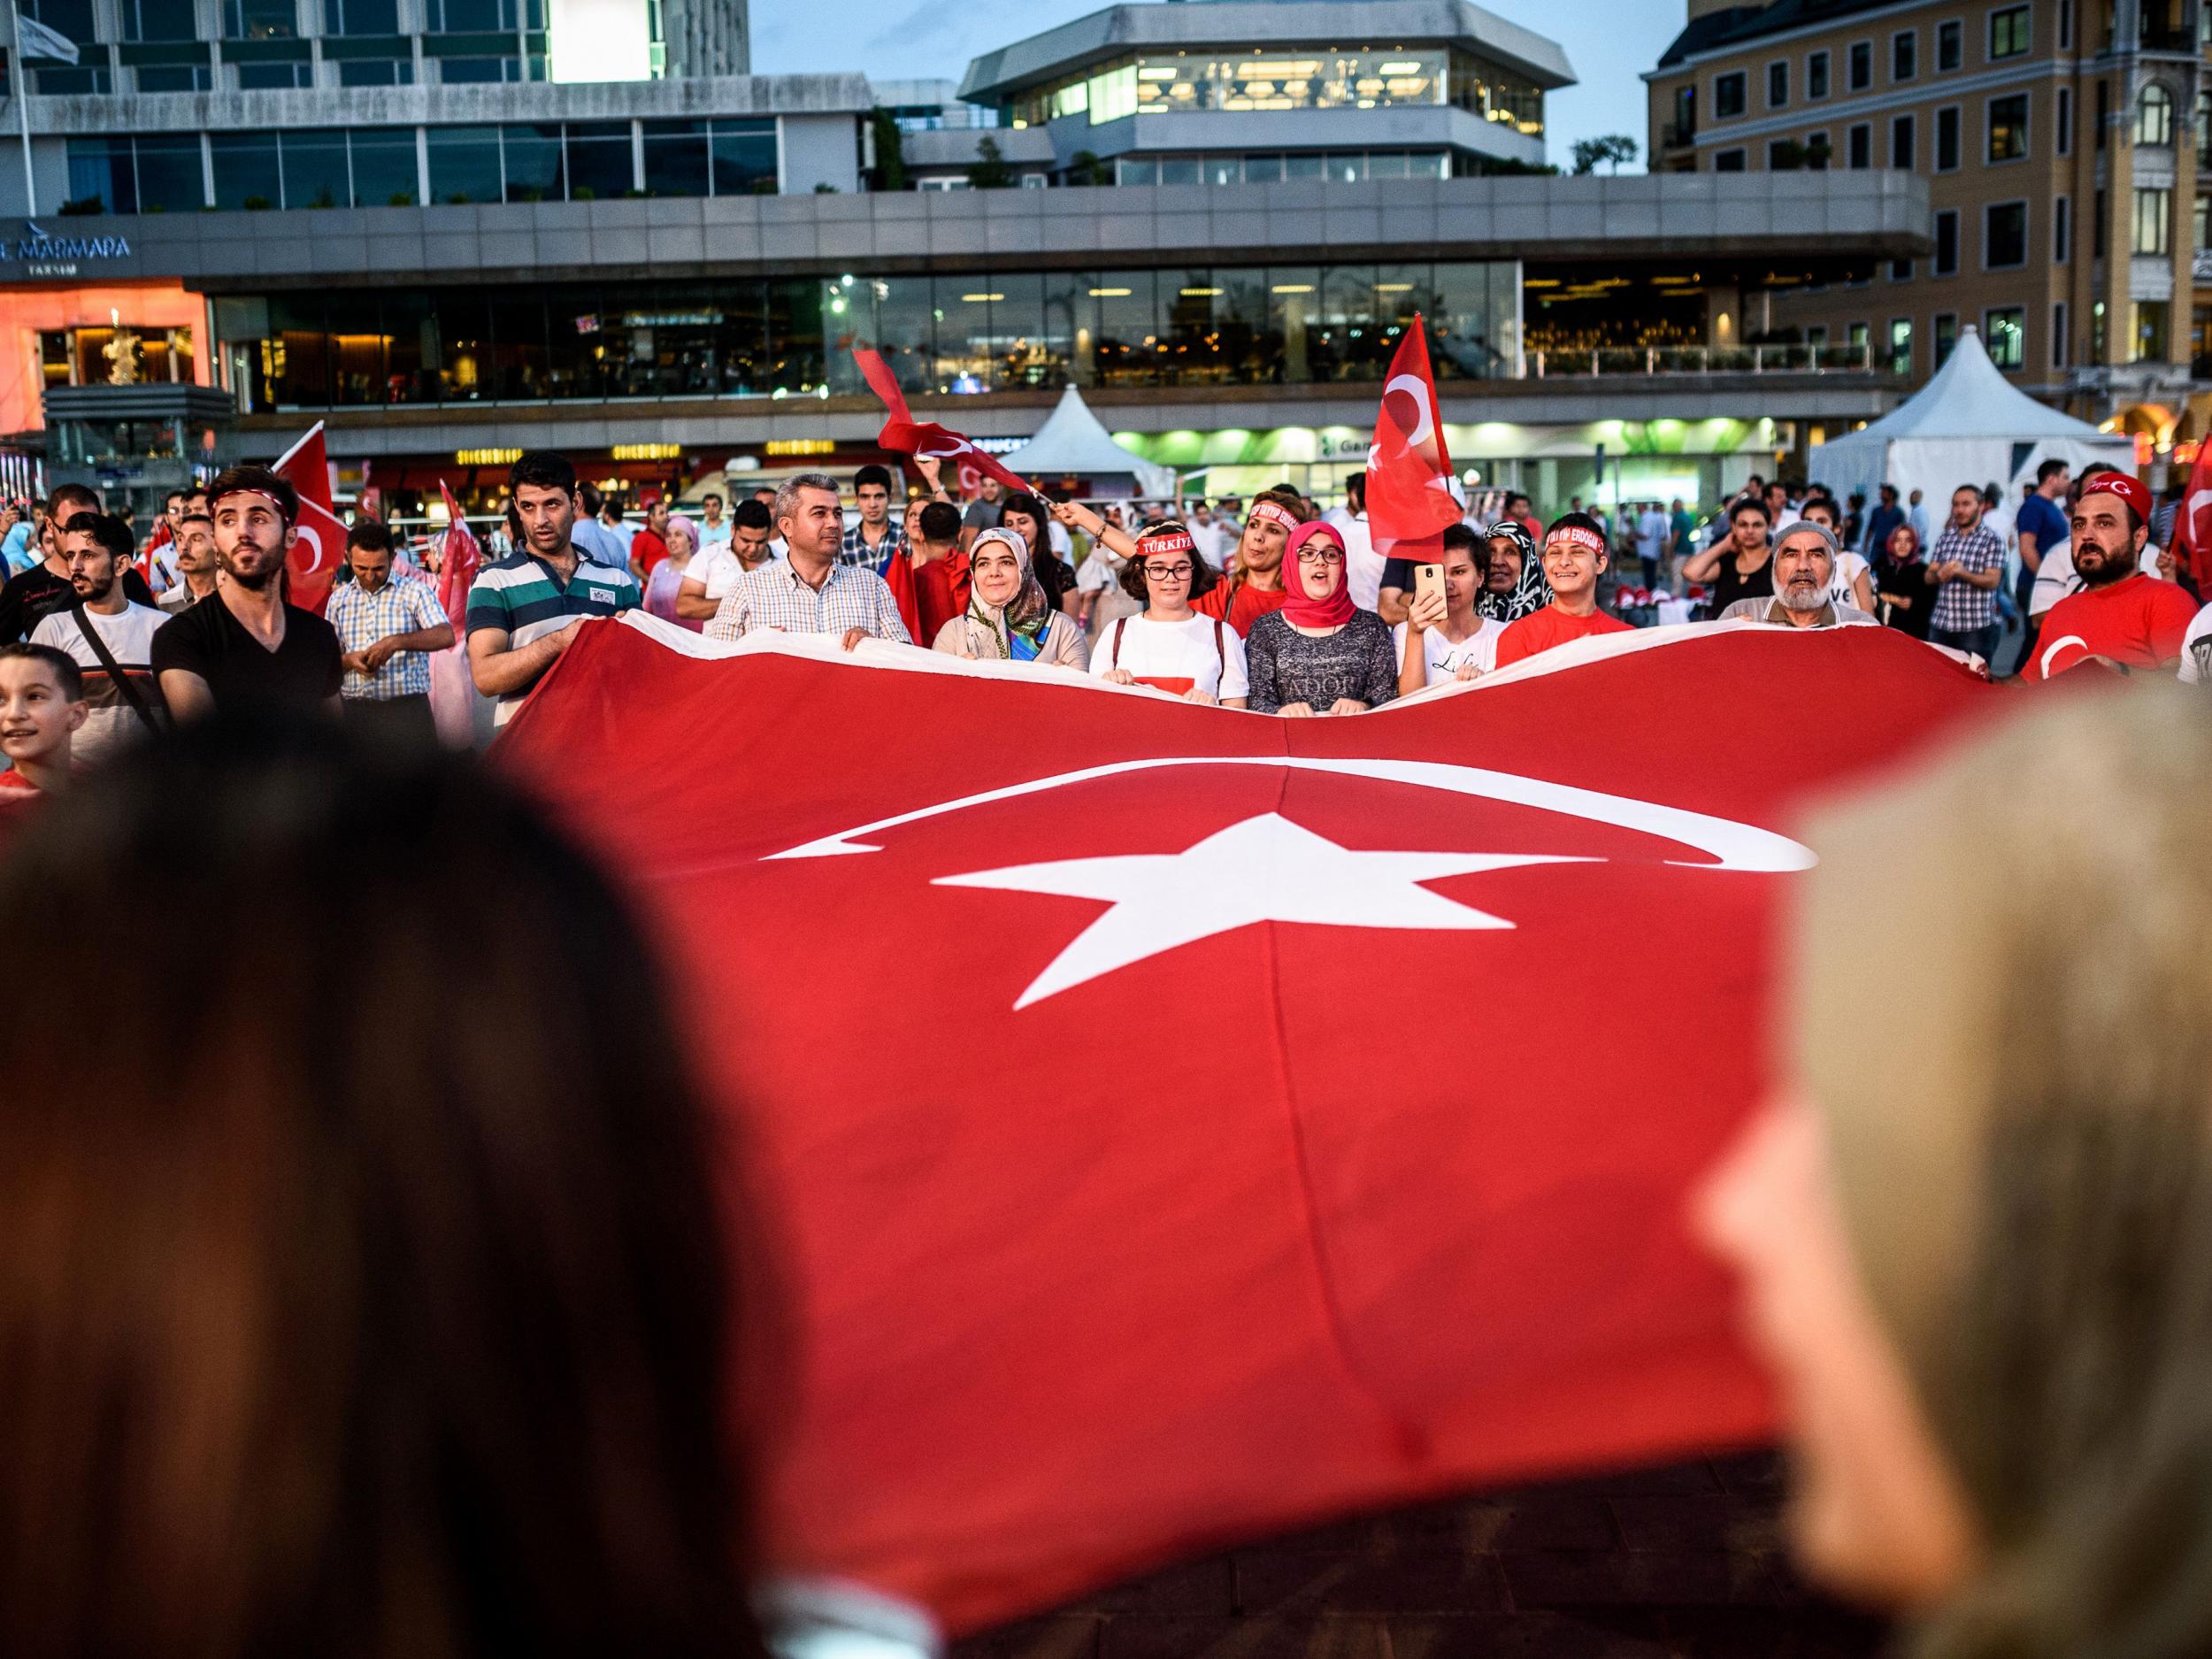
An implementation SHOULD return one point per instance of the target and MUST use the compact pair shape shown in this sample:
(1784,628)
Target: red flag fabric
(2193,525)
(1183,1124)
(905,435)
(321,545)
(459,557)
(898,575)
(1409,503)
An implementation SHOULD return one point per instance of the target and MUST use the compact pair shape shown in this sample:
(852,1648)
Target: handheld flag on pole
(321,545)
(2193,525)
(923,439)
(459,557)
(1409,499)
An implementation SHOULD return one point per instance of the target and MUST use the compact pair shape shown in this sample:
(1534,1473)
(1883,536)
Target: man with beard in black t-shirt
(242,644)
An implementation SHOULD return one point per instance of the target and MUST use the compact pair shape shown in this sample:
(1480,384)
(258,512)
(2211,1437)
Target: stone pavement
(1678,1563)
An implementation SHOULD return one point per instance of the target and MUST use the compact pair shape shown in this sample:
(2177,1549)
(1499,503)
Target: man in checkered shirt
(878,537)
(1967,567)
(386,631)
(809,590)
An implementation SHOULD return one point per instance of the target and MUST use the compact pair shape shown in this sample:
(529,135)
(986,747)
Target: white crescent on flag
(1412,386)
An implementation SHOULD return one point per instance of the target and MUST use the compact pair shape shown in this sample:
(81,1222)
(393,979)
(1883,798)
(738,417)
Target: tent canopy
(1968,426)
(1074,443)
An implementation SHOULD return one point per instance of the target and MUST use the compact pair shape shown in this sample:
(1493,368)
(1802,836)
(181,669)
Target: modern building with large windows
(665,276)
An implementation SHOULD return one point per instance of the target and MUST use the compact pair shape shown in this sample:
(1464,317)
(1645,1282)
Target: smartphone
(1428,578)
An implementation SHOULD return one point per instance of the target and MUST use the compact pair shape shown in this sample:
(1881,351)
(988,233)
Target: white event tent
(1074,443)
(1968,426)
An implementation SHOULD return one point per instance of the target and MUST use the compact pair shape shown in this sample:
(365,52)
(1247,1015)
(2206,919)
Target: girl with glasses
(1320,653)
(1169,646)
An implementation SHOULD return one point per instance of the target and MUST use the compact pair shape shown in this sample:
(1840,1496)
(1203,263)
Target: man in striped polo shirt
(524,611)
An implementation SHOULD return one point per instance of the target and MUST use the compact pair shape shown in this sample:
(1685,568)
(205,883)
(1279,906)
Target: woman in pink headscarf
(1319,654)
(668,573)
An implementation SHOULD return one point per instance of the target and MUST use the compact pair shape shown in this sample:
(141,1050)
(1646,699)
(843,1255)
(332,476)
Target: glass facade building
(978,331)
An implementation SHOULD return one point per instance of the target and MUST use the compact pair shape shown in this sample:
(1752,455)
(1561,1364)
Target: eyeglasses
(1322,555)
(1168,572)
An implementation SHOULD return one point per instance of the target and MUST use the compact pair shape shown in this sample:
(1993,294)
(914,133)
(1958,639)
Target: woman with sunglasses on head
(1320,653)
(1169,646)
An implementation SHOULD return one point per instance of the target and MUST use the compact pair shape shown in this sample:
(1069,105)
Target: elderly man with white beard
(1805,558)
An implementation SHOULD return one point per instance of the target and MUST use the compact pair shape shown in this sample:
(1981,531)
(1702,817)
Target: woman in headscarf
(1903,598)
(1025,516)
(1516,587)
(1319,654)
(668,573)
(1008,618)
(1978,1248)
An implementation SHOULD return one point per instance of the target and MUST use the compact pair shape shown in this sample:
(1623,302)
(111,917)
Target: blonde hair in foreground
(2023,1153)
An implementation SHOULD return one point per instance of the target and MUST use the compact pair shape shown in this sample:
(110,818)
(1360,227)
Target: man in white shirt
(2196,650)
(1916,516)
(714,573)
(1363,565)
(195,563)
(1651,541)
(111,639)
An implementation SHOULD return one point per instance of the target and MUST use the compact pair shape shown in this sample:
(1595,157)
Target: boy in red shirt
(1575,555)
(41,705)
(2121,617)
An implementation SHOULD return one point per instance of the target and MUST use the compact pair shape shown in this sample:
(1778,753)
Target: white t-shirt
(1849,568)
(1098,572)
(1363,565)
(129,635)
(1057,538)
(1444,658)
(1208,653)
(1651,535)
(2196,650)
(716,568)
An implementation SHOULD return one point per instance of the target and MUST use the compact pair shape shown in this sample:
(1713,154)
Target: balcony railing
(1678,135)
(1543,365)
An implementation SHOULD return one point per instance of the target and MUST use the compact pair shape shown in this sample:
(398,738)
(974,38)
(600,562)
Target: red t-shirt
(1541,630)
(940,594)
(16,783)
(648,549)
(2138,622)
(1251,604)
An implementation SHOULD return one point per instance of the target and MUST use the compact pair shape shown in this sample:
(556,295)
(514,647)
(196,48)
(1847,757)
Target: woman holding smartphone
(1446,637)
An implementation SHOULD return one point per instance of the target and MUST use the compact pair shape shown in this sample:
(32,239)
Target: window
(1728,95)
(2202,236)
(1860,72)
(2065,121)
(1729,161)
(2066,26)
(2008,32)
(2154,118)
(1947,335)
(1778,85)
(2097,227)
(376,71)
(2153,214)
(2204,110)
(245,172)
(259,20)
(2062,229)
(1900,345)
(1785,155)
(2004,235)
(1947,241)
(2007,127)
(465,163)
(157,19)
(2150,331)
(482,17)
(2096,332)
(1901,269)
(2004,331)
(2060,351)
(361,16)
(1902,136)
(1946,145)
(1817,75)
(2104,110)
(1950,46)
(267,77)
(1859,151)
(1904,55)
(1856,337)
(176,78)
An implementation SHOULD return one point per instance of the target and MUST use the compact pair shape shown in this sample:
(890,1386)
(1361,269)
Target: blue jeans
(1982,642)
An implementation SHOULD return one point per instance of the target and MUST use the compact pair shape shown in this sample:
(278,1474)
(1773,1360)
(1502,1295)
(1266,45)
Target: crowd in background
(1271,604)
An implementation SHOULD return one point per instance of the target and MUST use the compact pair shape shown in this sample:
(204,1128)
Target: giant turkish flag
(1179,1124)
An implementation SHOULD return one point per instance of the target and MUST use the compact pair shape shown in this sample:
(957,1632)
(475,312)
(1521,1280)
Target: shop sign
(778,448)
(37,254)
(647,451)
(486,457)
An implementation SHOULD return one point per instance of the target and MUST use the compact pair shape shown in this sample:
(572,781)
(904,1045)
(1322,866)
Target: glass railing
(1544,364)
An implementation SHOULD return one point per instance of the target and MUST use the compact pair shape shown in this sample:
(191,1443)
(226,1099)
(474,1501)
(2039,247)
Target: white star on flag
(1266,869)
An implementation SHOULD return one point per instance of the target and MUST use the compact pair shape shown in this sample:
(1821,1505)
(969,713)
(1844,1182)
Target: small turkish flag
(905,435)
(459,556)
(1409,499)
(1131,1208)
(321,545)
(2193,525)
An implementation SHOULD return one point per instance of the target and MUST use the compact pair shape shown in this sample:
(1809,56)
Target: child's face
(35,719)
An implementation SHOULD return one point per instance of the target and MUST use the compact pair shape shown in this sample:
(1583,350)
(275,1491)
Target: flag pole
(21,88)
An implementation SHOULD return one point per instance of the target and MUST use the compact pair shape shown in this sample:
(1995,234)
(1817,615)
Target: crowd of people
(1273,606)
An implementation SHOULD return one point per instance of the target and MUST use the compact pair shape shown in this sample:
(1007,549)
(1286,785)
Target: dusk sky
(1608,42)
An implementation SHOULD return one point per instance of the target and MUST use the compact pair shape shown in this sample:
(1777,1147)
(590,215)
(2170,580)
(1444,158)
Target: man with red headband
(1256,588)
(2122,616)
(1575,555)
(242,644)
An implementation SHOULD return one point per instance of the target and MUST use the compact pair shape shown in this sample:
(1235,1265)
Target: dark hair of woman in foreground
(362,1289)
(1977,1241)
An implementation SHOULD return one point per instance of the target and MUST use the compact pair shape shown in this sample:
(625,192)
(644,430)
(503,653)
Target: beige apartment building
(2061,140)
